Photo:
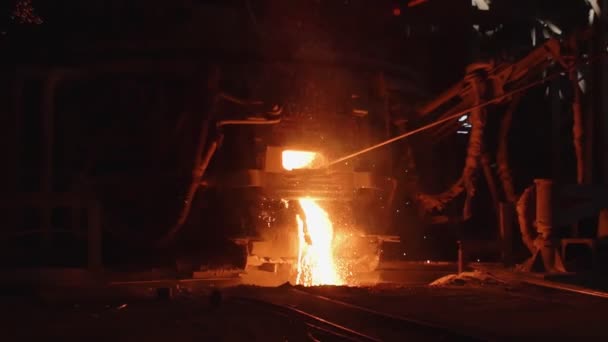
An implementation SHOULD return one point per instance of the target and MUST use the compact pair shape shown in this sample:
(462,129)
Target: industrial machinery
(463,105)
(272,136)
(273,157)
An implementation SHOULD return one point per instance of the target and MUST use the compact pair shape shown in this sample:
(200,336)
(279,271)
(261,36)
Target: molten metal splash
(316,264)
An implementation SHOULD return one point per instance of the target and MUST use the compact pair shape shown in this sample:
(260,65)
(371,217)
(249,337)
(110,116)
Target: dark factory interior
(304,170)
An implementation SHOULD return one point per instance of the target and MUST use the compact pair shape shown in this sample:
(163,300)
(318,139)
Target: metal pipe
(502,155)
(524,217)
(446,119)
(238,101)
(577,135)
(577,128)
(506,231)
(475,147)
(247,122)
(438,201)
(545,243)
(200,163)
(464,111)
(460,257)
(196,177)
(544,202)
(276,110)
(194,186)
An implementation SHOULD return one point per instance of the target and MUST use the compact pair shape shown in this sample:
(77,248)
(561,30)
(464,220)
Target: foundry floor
(495,312)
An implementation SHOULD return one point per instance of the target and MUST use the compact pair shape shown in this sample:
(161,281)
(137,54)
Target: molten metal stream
(316,264)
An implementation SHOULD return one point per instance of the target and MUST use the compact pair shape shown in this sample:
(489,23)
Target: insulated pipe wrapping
(197,176)
(474,150)
(477,121)
(502,156)
(200,161)
(525,217)
(545,240)
(438,201)
(544,212)
(431,202)
(577,127)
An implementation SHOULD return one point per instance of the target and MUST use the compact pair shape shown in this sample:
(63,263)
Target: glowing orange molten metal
(293,159)
(316,265)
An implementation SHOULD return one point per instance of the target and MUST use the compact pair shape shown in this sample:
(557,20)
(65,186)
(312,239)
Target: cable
(461,113)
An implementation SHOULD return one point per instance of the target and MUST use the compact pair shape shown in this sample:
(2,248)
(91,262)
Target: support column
(505,217)
(461,260)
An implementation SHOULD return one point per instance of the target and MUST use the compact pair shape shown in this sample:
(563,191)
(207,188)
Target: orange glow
(316,264)
(293,159)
